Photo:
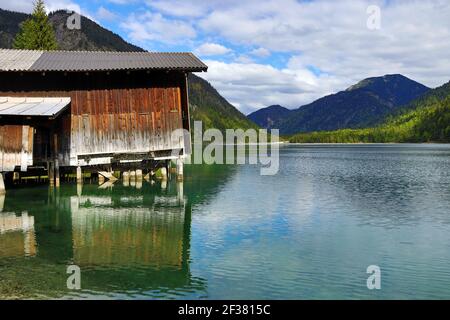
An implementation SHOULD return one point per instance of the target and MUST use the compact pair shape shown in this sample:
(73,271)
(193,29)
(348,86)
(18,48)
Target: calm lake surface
(309,232)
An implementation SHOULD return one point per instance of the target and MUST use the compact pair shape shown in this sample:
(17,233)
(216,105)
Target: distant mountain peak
(366,103)
(370,83)
(267,117)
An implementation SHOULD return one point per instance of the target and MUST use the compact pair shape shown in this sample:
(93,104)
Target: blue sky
(288,52)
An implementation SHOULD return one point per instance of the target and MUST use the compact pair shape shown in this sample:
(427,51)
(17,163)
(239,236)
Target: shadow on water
(129,242)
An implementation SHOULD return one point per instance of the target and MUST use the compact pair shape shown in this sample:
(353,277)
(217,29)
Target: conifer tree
(36,33)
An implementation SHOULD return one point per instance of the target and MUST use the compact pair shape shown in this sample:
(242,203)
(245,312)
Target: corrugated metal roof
(25,106)
(27,60)
(18,60)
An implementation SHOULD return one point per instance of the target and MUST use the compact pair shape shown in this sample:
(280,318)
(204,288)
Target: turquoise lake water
(309,232)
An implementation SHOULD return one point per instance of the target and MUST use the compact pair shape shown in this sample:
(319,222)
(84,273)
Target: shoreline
(370,143)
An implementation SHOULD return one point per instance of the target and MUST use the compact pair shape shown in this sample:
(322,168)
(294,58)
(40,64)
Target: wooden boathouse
(96,111)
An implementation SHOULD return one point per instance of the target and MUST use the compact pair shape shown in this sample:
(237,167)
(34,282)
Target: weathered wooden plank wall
(16,147)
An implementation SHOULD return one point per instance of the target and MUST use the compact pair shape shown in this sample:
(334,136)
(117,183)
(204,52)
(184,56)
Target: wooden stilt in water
(164,173)
(2,185)
(79,175)
(126,178)
(132,178)
(180,192)
(179,169)
(79,189)
(139,175)
(56,164)
(57,177)
(51,174)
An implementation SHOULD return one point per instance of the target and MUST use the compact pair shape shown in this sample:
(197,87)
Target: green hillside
(426,119)
(207,105)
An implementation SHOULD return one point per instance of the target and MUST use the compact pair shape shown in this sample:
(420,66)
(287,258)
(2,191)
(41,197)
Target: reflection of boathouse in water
(124,239)
(17,235)
(128,229)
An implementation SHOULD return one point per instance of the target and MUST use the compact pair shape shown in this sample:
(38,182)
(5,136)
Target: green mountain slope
(426,119)
(9,26)
(206,103)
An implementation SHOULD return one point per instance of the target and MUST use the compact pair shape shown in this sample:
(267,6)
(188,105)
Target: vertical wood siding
(16,147)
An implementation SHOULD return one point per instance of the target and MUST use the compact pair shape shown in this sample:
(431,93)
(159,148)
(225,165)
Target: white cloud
(250,86)
(121,2)
(155,27)
(325,35)
(260,52)
(105,14)
(192,8)
(179,8)
(27,5)
(212,49)
(332,35)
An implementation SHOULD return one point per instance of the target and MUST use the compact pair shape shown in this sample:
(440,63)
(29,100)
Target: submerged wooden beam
(107,175)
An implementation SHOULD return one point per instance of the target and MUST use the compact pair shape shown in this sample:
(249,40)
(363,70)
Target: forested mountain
(9,26)
(427,119)
(206,103)
(268,117)
(365,104)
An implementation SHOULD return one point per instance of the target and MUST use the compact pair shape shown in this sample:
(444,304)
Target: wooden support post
(132,178)
(126,178)
(164,173)
(55,150)
(2,185)
(139,174)
(79,175)
(180,192)
(179,169)
(164,184)
(51,173)
(79,189)
(57,178)
(2,202)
